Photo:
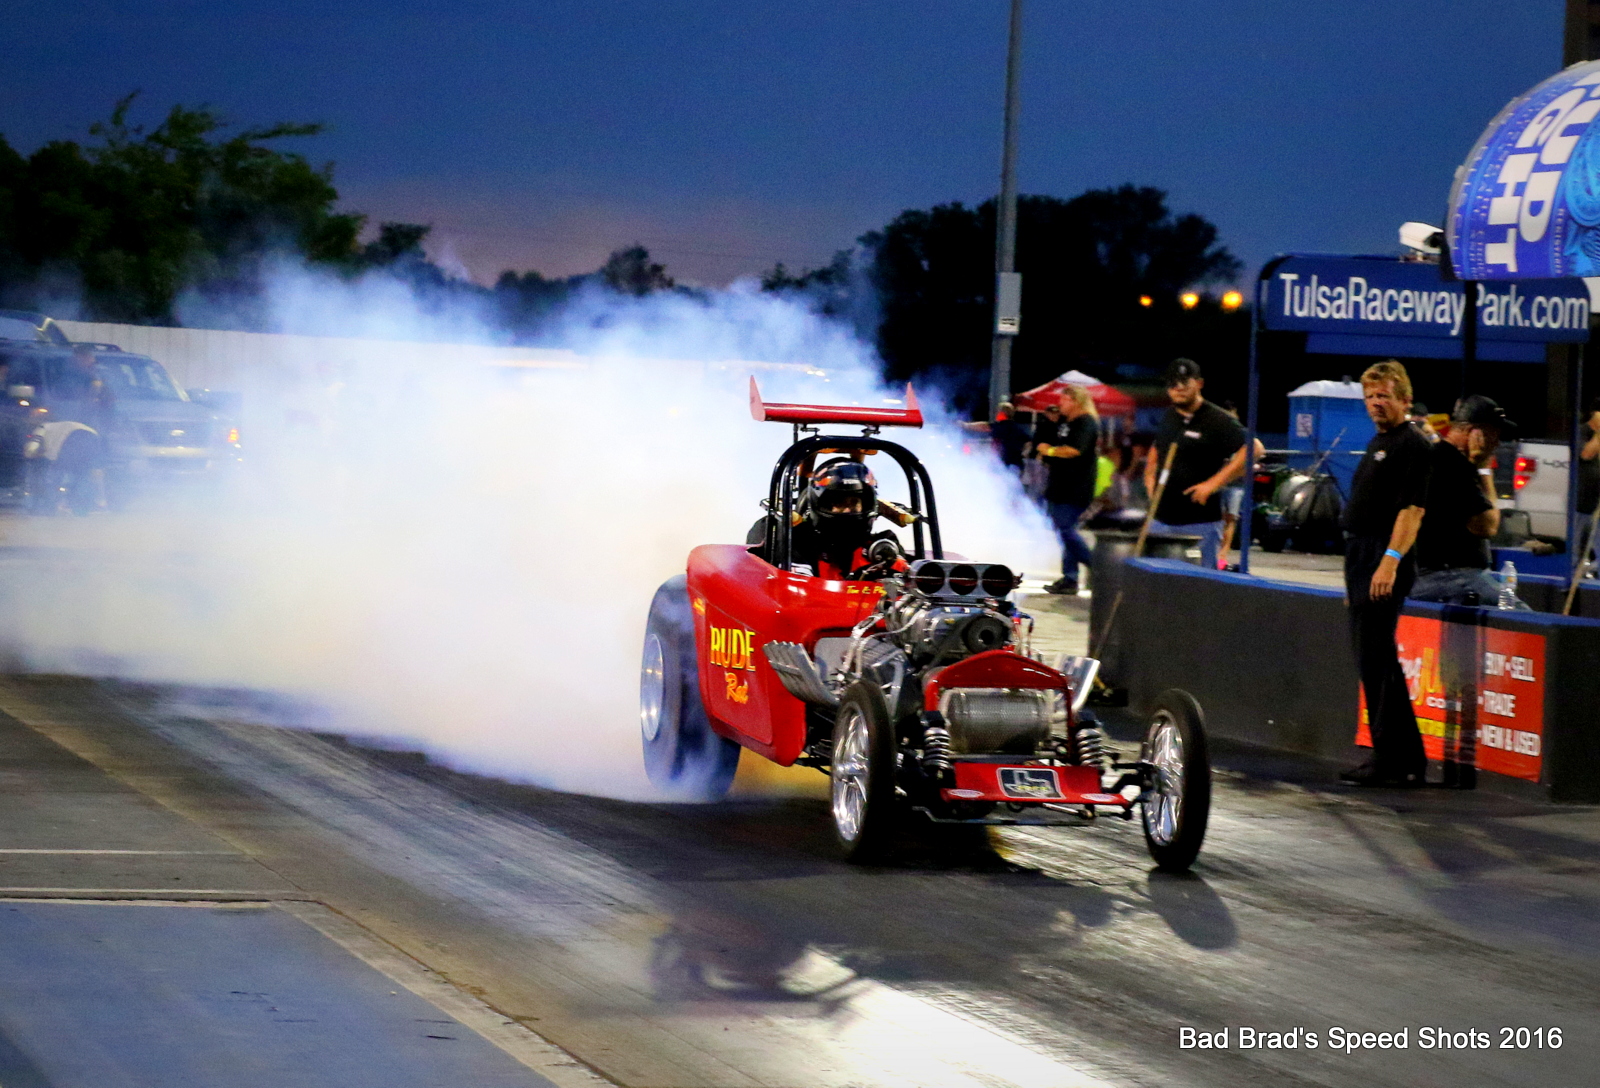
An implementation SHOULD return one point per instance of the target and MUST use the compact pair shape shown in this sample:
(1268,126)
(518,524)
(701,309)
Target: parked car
(87,427)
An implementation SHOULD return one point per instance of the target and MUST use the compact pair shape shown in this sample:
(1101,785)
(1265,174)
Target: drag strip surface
(724,945)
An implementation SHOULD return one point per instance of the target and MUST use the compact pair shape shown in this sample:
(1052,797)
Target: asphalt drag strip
(724,945)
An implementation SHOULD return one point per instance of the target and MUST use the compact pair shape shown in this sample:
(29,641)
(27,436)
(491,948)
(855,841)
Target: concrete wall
(1271,664)
(216,359)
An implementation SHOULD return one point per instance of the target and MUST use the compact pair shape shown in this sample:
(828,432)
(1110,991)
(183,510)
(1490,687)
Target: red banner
(1497,707)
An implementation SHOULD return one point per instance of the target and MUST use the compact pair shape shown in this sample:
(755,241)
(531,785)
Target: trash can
(1110,549)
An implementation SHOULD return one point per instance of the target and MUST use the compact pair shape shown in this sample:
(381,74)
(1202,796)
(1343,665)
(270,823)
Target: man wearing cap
(1453,558)
(1210,445)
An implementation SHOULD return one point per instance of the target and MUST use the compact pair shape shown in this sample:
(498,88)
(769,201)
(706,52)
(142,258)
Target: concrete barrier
(1515,693)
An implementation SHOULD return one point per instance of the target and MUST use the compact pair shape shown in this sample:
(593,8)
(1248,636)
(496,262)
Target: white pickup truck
(1537,483)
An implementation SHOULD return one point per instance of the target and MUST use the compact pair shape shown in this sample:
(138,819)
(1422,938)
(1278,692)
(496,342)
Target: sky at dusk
(727,136)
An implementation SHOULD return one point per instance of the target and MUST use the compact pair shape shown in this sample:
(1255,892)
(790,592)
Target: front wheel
(682,756)
(862,764)
(1178,801)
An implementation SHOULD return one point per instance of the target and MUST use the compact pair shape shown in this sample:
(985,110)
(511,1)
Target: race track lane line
(236,895)
(517,1041)
(148,853)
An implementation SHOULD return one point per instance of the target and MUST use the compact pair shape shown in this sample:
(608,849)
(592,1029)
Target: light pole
(1008,285)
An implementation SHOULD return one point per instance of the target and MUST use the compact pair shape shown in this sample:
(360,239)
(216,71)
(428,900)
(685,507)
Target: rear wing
(799,414)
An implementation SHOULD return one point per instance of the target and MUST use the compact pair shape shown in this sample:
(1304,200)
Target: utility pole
(1008,285)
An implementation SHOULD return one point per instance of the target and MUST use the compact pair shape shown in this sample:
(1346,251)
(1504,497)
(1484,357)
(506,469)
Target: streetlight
(1188,300)
(1146,301)
(1232,300)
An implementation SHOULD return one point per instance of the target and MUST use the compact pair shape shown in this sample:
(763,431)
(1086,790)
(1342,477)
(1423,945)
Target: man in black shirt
(1453,557)
(1070,454)
(1588,480)
(1381,520)
(1210,455)
(1009,436)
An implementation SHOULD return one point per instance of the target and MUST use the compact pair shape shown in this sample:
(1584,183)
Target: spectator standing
(1387,500)
(1010,437)
(1069,453)
(1453,558)
(1233,498)
(1588,481)
(1210,445)
(1418,415)
(1035,473)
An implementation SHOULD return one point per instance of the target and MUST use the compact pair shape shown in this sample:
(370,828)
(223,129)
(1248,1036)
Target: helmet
(841,501)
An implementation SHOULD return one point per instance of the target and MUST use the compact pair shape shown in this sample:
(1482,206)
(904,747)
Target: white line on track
(522,1044)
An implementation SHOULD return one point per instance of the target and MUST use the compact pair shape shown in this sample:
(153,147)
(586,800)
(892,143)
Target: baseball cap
(1419,409)
(1480,411)
(1181,370)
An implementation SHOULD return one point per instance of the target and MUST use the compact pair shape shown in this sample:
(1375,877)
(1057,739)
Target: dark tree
(630,272)
(525,301)
(830,289)
(135,217)
(1085,263)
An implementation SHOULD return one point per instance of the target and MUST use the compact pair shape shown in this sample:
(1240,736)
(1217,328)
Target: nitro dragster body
(909,681)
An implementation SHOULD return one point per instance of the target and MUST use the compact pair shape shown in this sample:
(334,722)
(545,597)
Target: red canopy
(1107,401)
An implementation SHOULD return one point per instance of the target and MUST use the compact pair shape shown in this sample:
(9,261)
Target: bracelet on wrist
(1392,554)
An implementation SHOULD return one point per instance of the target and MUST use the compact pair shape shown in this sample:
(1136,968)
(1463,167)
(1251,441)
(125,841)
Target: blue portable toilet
(1326,415)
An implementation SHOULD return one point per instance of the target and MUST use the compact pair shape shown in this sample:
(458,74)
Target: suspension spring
(935,747)
(1090,747)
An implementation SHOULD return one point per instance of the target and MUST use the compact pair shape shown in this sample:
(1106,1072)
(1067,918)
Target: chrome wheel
(652,687)
(1164,809)
(849,772)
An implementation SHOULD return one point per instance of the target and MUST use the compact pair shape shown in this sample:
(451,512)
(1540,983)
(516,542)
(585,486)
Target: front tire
(861,774)
(1178,805)
(682,756)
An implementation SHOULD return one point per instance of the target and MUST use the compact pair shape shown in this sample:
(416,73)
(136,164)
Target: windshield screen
(137,379)
(14,328)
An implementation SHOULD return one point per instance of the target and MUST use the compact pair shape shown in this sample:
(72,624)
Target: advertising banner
(1526,204)
(1377,296)
(1475,690)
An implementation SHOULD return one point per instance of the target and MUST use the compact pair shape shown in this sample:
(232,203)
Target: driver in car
(835,536)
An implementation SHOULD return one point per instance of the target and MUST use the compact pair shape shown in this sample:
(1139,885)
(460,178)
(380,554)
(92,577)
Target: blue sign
(1526,205)
(1386,297)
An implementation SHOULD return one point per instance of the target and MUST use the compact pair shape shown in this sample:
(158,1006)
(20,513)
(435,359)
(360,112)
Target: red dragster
(908,680)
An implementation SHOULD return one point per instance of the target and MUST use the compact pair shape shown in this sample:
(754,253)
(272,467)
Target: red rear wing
(909,416)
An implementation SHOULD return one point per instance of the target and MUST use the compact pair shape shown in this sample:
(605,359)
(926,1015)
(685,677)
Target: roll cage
(782,495)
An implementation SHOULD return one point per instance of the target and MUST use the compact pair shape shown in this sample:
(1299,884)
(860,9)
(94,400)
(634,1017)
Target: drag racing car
(907,678)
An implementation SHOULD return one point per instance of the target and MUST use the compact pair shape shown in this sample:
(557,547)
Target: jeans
(1209,532)
(1461,585)
(1065,515)
(1392,721)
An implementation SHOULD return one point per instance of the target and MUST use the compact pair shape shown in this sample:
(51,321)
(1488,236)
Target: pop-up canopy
(1107,401)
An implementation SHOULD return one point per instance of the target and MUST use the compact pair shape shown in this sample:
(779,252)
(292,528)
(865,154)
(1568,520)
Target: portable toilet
(1329,416)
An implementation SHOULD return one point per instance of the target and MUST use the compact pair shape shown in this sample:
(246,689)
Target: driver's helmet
(842,500)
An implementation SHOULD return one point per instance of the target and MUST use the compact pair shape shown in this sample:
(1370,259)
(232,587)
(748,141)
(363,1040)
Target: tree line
(130,221)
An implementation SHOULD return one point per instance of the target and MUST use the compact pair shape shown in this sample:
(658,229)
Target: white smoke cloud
(460,558)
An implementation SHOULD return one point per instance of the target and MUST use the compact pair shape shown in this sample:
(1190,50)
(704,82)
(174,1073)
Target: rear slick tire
(684,758)
(1179,803)
(861,775)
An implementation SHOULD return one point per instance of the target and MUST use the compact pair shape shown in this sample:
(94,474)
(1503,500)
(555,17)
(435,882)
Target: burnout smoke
(460,557)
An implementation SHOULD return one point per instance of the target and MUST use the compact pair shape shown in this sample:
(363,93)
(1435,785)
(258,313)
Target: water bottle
(1508,585)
